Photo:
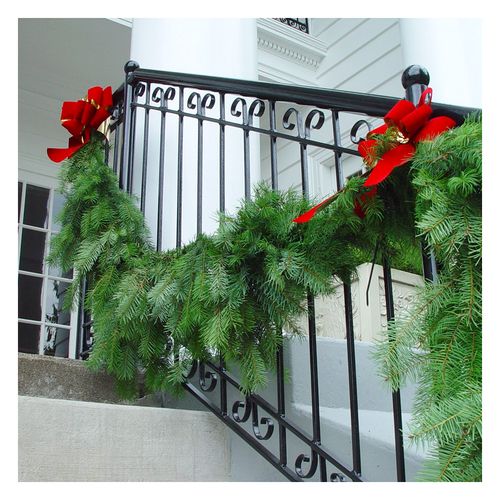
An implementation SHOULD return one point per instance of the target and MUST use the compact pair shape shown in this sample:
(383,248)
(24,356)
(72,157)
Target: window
(43,326)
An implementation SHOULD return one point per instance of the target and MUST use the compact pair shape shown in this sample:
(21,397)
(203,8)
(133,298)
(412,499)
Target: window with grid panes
(43,326)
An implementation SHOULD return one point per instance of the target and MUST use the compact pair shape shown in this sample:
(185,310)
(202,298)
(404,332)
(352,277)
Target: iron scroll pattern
(247,112)
(301,24)
(204,377)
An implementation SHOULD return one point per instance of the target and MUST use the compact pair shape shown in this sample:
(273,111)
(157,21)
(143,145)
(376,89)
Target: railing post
(129,68)
(415,80)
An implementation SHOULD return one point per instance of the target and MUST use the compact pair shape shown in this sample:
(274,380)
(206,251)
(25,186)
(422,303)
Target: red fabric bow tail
(74,144)
(307,216)
(360,202)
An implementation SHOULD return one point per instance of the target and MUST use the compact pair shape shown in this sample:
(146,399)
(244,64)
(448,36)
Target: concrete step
(63,440)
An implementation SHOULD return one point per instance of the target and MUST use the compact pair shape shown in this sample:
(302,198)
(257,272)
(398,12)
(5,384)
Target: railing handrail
(340,100)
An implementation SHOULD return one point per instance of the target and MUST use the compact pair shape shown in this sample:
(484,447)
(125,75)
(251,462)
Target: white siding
(363,55)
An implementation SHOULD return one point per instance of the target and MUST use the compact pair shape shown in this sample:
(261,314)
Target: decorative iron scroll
(208,379)
(301,459)
(299,23)
(303,127)
(337,478)
(256,110)
(355,136)
(162,96)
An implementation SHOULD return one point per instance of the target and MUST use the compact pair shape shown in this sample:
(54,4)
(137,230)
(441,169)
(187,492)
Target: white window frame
(26,179)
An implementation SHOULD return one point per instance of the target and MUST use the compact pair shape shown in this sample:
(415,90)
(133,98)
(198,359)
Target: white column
(451,50)
(214,47)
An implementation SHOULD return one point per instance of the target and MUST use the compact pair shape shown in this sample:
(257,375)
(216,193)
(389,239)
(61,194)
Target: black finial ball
(131,66)
(415,74)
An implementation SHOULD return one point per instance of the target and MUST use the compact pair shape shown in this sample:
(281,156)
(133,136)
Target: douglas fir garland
(233,292)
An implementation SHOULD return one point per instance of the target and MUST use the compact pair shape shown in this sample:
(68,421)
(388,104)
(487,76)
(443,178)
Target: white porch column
(451,50)
(214,47)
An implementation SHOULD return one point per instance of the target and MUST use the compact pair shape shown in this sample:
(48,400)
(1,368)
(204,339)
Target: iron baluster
(351,349)
(353,387)
(201,105)
(313,367)
(273,139)
(130,67)
(180,143)
(145,148)
(246,140)
(222,154)
(223,387)
(116,148)
(415,80)
(396,396)
(161,176)
(280,376)
(135,92)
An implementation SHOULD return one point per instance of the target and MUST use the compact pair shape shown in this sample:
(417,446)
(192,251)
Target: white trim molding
(284,50)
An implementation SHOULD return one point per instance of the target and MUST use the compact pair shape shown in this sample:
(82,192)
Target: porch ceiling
(61,58)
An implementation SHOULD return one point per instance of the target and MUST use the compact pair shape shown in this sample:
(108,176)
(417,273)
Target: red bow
(80,118)
(405,125)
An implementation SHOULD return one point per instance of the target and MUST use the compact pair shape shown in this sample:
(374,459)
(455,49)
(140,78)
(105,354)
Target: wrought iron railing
(155,114)
(299,23)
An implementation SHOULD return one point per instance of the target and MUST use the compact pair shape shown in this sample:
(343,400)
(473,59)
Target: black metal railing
(172,129)
(298,23)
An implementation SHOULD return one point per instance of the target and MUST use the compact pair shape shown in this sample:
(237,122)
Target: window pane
(36,206)
(32,251)
(28,338)
(57,271)
(57,206)
(19,194)
(29,297)
(56,291)
(56,342)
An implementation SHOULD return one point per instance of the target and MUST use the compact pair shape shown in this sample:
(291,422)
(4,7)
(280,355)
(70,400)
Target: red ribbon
(80,118)
(408,125)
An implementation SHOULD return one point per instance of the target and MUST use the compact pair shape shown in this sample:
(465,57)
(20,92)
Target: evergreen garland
(236,291)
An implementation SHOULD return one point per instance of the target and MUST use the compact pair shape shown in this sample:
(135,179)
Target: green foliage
(438,344)
(234,292)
